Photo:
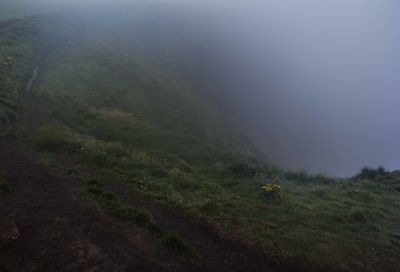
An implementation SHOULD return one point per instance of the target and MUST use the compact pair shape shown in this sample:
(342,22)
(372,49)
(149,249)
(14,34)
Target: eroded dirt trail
(216,253)
(57,230)
(35,74)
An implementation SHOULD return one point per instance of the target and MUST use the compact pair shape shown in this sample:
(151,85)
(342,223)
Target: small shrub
(55,138)
(361,195)
(109,196)
(100,152)
(209,207)
(145,221)
(371,173)
(366,197)
(174,243)
(158,172)
(359,216)
(95,191)
(243,170)
(320,193)
(183,180)
(322,179)
(93,182)
(272,191)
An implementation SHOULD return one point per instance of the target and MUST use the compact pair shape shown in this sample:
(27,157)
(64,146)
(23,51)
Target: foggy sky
(323,90)
(315,84)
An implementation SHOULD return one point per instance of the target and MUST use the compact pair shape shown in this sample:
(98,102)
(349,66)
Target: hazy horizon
(333,66)
(314,84)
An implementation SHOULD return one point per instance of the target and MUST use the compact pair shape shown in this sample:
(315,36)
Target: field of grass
(17,52)
(112,111)
(111,204)
(12,9)
(321,222)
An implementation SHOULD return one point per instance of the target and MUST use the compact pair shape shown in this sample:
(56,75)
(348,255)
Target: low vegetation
(99,106)
(318,221)
(272,191)
(371,173)
(110,203)
(17,49)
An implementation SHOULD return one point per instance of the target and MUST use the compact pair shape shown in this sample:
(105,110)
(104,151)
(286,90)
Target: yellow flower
(271,187)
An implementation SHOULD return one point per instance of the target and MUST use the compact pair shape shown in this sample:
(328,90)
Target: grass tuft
(113,205)
(176,244)
(359,217)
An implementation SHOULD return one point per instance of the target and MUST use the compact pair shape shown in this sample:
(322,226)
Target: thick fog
(323,90)
(315,84)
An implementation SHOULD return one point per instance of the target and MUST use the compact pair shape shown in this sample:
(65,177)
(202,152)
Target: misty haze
(174,135)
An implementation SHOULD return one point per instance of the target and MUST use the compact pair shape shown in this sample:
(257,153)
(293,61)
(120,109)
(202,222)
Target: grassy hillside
(19,40)
(102,107)
(12,9)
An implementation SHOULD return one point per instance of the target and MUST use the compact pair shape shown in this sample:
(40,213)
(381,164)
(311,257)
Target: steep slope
(57,229)
(99,96)
(19,41)
(83,75)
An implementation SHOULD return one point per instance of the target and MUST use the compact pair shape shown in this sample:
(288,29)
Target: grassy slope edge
(105,109)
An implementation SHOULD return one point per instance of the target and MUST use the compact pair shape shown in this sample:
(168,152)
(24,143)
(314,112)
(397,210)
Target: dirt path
(217,254)
(57,230)
(35,74)
(38,61)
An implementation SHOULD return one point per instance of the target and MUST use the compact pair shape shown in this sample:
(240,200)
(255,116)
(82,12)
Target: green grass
(17,52)
(110,203)
(138,110)
(320,221)
(11,9)
(109,109)
(174,243)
